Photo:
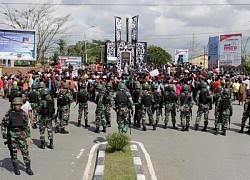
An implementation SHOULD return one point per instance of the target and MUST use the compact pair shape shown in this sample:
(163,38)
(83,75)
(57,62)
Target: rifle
(8,142)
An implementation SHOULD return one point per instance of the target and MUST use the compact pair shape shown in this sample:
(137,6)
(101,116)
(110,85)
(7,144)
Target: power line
(131,4)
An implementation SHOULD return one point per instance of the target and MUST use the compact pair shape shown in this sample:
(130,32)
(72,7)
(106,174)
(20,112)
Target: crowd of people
(132,94)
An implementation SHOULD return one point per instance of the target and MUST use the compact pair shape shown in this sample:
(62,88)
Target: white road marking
(148,159)
(80,154)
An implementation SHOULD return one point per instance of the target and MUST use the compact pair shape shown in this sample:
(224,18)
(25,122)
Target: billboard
(17,44)
(76,62)
(181,56)
(213,51)
(230,50)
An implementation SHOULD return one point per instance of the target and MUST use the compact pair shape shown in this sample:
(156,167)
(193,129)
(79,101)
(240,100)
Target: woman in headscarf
(242,92)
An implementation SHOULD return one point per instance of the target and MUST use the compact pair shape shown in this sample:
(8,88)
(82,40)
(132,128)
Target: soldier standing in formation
(13,94)
(99,113)
(136,95)
(33,97)
(203,101)
(146,100)
(216,97)
(108,97)
(46,110)
(246,113)
(170,101)
(82,100)
(225,108)
(63,104)
(15,128)
(123,105)
(157,101)
(186,104)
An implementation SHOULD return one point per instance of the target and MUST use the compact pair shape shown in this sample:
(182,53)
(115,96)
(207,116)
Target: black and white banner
(118,28)
(134,32)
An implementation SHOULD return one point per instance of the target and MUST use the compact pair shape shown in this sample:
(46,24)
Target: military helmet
(34,86)
(137,86)
(99,86)
(121,86)
(219,88)
(41,85)
(171,88)
(17,100)
(184,87)
(65,85)
(45,91)
(109,84)
(203,84)
(145,86)
(226,91)
(155,86)
(14,87)
(248,92)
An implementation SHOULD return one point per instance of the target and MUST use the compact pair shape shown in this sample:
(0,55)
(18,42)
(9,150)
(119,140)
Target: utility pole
(127,21)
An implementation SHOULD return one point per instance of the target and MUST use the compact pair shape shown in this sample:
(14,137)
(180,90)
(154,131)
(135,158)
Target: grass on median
(119,165)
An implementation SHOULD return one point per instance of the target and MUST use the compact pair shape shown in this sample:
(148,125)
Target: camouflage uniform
(82,99)
(34,102)
(186,104)
(14,93)
(136,95)
(146,100)
(215,100)
(64,109)
(204,102)
(99,113)
(15,127)
(156,107)
(123,105)
(108,98)
(246,113)
(224,106)
(170,101)
(46,118)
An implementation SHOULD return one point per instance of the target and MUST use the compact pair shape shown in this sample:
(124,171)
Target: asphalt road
(174,154)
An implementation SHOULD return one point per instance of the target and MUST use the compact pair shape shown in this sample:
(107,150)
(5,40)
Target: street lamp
(85,48)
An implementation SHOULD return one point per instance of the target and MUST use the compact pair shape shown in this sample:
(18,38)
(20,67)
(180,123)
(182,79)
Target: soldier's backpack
(49,109)
(105,98)
(156,98)
(82,97)
(225,104)
(121,97)
(136,97)
(147,100)
(203,98)
(16,119)
(63,100)
(171,97)
(185,99)
(33,97)
(13,95)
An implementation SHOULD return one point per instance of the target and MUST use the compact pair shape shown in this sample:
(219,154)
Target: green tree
(245,64)
(157,55)
(62,47)
(55,57)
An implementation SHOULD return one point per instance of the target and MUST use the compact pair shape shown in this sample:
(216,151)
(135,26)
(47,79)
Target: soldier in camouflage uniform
(33,97)
(186,104)
(146,100)
(82,100)
(123,103)
(216,97)
(108,98)
(246,113)
(46,110)
(14,93)
(204,103)
(225,108)
(99,113)
(157,101)
(63,103)
(15,128)
(136,95)
(170,101)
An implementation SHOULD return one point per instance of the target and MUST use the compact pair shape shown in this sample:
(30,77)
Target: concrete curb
(99,168)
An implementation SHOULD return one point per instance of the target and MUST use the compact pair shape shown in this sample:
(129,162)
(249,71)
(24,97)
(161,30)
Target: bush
(117,141)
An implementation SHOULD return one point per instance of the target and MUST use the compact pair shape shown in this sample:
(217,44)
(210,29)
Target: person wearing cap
(15,128)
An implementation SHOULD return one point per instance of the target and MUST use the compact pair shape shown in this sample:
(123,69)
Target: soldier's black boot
(182,128)
(34,126)
(104,129)
(28,170)
(196,127)
(248,131)
(63,131)
(57,130)
(86,124)
(154,127)
(97,130)
(144,128)
(42,145)
(16,170)
(224,132)
(174,126)
(241,130)
(79,123)
(108,124)
(216,131)
(165,126)
(214,127)
(51,146)
(187,128)
(204,128)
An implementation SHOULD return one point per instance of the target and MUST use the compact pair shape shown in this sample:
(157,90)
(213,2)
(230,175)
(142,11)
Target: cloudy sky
(170,24)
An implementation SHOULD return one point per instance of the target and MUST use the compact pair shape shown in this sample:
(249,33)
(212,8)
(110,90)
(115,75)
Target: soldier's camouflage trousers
(202,108)
(244,119)
(83,107)
(156,108)
(147,110)
(45,122)
(107,113)
(18,139)
(185,115)
(216,116)
(170,108)
(137,115)
(123,119)
(63,118)
(223,119)
(34,112)
(100,117)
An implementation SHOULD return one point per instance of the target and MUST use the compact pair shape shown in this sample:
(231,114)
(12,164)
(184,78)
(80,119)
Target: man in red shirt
(1,87)
(216,84)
